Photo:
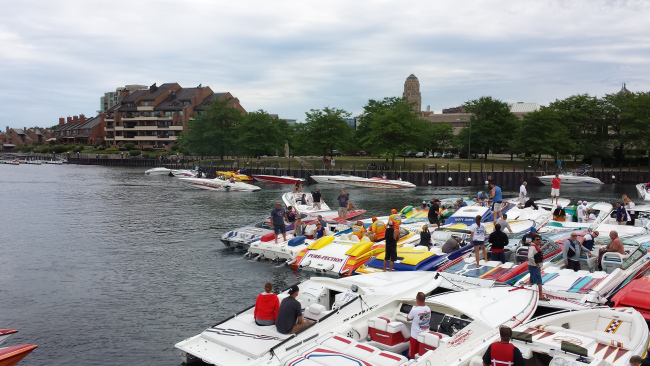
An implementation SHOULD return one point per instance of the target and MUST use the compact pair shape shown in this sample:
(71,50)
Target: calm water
(107,266)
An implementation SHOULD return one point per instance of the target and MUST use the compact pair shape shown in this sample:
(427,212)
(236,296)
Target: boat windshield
(635,256)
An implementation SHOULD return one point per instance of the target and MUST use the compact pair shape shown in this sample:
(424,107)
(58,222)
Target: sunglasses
(538,239)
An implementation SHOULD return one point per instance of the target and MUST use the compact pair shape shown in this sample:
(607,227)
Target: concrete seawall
(437,177)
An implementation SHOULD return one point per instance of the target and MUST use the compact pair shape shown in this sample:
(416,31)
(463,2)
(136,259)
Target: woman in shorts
(477,237)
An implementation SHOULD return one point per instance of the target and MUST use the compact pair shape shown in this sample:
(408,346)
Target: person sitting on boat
(559,214)
(499,240)
(395,218)
(530,203)
(571,252)
(592,216)
(303,200)
(461,203)
(481,196)
(420,316)
(359,229)
(378,228)
(425,236)
(424,206)
(232,179)
(299,227)
(291,214)
(615,245)
(588,240)
(452,244)
(503,353)
(290,319)
(322,222)
(320,230)
(528,238)
(266,306)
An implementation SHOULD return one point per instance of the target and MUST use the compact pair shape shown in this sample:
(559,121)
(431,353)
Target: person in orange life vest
(358,229)
(396,218)
(266,306)
(503,353)
(420,317)
(378,228)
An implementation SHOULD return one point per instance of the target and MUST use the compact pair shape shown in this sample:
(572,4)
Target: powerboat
(330,303)
(641,223)
(415,258)
(242,237)
(6,333)
(184,173)
(467,215)
(570,178)
(600,336)
(10,356)
(293,199)
(281,179)
(350,180)
(462,272)
(601,211)
(220,185)
(158,171)
(342,255)
(238,176)
(634,295)
(644,191)
(462,324)
(589,288)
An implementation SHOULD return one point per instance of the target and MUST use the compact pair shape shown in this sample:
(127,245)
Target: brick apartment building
(79,130)
(154,117)
(13,137)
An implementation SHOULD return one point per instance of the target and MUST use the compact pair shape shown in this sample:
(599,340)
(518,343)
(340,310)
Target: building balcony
(145,108)
(135,119)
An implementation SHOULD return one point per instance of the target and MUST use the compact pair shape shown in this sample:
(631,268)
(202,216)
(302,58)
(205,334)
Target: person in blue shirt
(461,203)
(481,195)
(320,230)
(495,196)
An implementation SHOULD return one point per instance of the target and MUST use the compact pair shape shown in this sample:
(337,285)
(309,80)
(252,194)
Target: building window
(146,104)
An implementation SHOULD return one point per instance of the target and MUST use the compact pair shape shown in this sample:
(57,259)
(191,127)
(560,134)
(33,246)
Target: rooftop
(524,107)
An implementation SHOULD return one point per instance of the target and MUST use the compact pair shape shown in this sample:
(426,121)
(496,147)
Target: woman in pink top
(266,306)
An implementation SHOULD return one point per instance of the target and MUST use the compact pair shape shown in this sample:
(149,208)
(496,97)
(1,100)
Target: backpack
(571,252)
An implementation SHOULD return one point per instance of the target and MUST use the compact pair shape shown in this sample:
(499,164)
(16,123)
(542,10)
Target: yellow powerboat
(238,177)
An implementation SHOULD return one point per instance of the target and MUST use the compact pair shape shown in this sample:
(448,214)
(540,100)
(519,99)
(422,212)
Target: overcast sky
(57,58)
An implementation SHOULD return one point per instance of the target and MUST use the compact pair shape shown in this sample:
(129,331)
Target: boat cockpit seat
(619,327)
(588,262)
(612,260)
(521,254)
(315,312)
(428,341)
(387,334)
(348,349)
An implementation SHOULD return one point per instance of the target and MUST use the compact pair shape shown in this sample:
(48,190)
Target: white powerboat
(350,180)
(600,336)
(331,303)
(280,179)
(294,199)
(220,185)
(184,173)
(570,178)
(462,324)
(601,211)
(641,223)
(644,191)
(158,171)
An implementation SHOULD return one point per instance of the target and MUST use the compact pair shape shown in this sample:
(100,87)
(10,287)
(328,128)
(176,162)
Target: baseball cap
(533,229)
(424,202)
(584,202)
(436,200)
(293,289)
(579,202)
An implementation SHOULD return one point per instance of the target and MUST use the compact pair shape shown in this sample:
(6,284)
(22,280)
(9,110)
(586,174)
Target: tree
(543,132)
(390,127)
(211,133)
(441,136)
(260,134)
(491,125)
(582,115)
(327,129)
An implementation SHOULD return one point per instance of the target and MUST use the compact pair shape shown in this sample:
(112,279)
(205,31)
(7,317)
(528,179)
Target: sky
(58,57)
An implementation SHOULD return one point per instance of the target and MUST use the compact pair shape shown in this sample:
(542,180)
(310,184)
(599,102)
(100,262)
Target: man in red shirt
(555,190)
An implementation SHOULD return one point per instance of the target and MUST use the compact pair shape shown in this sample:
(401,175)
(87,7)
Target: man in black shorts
(391,246)
(317,198)
(433,212)
(278,217)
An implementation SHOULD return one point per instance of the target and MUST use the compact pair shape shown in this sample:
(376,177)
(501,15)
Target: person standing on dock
(522,194)
(278,217)
(497,200)
(555,188)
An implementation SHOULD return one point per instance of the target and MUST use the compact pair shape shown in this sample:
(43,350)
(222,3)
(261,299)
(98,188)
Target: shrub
(77,149)
(134,152)
(148,149)
(128,146)
(112,150)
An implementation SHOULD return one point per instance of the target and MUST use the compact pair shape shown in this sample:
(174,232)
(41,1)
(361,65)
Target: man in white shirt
(592,217)
(522,195)
(420,317)
(581,211)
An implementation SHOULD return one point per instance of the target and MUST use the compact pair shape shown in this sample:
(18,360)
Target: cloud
(59,57)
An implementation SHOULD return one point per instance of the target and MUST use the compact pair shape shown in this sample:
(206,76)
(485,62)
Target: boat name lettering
(238,333)
(360,313)
(460,338)
(325,258)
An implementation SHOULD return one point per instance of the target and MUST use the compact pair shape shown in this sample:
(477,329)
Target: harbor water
(103,265)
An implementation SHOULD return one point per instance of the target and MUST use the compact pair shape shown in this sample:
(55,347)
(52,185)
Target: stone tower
(412,92)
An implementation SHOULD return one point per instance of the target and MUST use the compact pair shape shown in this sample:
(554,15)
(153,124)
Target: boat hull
(571,180)
(362,182)
(278,179)
(10,356)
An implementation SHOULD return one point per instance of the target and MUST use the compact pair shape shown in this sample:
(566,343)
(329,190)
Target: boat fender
(406,210)
(297,241)
(267,237)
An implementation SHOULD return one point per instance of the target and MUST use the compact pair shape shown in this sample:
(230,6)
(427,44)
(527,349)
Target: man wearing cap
(424,206)
(528,238)
(433,212)
(451,244)
(588,240)
(391,246)
(378,229)
(289,319)
(522,194)
(573,261)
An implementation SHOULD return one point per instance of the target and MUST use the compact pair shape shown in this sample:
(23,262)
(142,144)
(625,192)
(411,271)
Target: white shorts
(522,200)
(555,192)
(497,206)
